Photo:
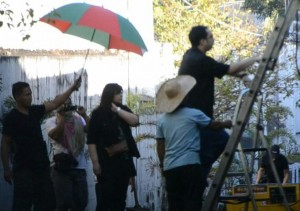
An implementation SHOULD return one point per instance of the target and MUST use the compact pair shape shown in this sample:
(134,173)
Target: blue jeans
(213,143)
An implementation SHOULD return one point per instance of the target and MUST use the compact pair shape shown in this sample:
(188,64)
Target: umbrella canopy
(98,25)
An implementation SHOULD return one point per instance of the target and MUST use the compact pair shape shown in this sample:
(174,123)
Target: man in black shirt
(22,134)
(205,69)
(281,164)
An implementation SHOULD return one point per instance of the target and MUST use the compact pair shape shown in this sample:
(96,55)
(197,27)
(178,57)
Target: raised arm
(60,99)
(237,67)
(215,125)
(260,173)
(130,118)
(57,132)
(286,173)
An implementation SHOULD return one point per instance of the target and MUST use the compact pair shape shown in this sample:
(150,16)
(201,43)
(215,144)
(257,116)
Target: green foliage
(266,8)
(235,31)
(281,112)
(238,35)
(10,102)
(132,102)
(226,94)
(283,134)
(139,107)
(275,116)
(293,158)
(23,21)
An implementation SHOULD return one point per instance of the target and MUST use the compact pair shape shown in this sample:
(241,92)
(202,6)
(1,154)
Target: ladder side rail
(275,173)
(239,102)
(246,207)
(255,139)
(247,177)
(268,62)
(242,154)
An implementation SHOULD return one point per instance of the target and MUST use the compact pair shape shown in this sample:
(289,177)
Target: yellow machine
(267,197)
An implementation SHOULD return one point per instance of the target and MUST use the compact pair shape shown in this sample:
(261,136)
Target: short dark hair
(196,34)
(18,87)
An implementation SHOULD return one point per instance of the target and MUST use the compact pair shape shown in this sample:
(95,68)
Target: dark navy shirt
(204,69)
(281,164)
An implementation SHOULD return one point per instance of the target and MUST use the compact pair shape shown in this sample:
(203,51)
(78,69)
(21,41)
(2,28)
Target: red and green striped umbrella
(98,25)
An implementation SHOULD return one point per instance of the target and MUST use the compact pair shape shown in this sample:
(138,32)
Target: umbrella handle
(88,51)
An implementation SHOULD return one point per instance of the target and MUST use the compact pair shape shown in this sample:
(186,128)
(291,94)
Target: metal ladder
(248,169)
(268,62)
(247,173)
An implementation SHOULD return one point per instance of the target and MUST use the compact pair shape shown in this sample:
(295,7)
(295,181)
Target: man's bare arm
(94,156)
(130,118)
(237,67)
(5,149)
(57,132)
(215,125)
(259,174)
(60,99)
(160,149)
(286,176)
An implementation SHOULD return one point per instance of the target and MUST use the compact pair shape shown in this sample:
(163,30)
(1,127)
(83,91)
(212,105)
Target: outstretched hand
(114,107)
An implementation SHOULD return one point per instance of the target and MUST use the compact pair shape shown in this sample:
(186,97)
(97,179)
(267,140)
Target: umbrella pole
(87,52)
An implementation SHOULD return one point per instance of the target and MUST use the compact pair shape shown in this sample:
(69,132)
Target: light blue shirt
(180,130)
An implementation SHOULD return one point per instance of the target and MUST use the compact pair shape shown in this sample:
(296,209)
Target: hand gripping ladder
(267,63)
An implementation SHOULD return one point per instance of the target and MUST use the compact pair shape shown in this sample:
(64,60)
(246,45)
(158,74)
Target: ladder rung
(235,198)
(235,174)
(254,149)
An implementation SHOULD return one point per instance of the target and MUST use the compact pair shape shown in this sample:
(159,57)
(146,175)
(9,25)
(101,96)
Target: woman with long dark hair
(112,146)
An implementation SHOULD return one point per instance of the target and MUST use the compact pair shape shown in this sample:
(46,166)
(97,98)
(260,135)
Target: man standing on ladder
(205,69)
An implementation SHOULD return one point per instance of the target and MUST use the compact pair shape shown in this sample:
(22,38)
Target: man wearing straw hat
(178,145)
(205,69)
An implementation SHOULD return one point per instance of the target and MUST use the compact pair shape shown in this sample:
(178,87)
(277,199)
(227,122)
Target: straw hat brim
(167,104)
